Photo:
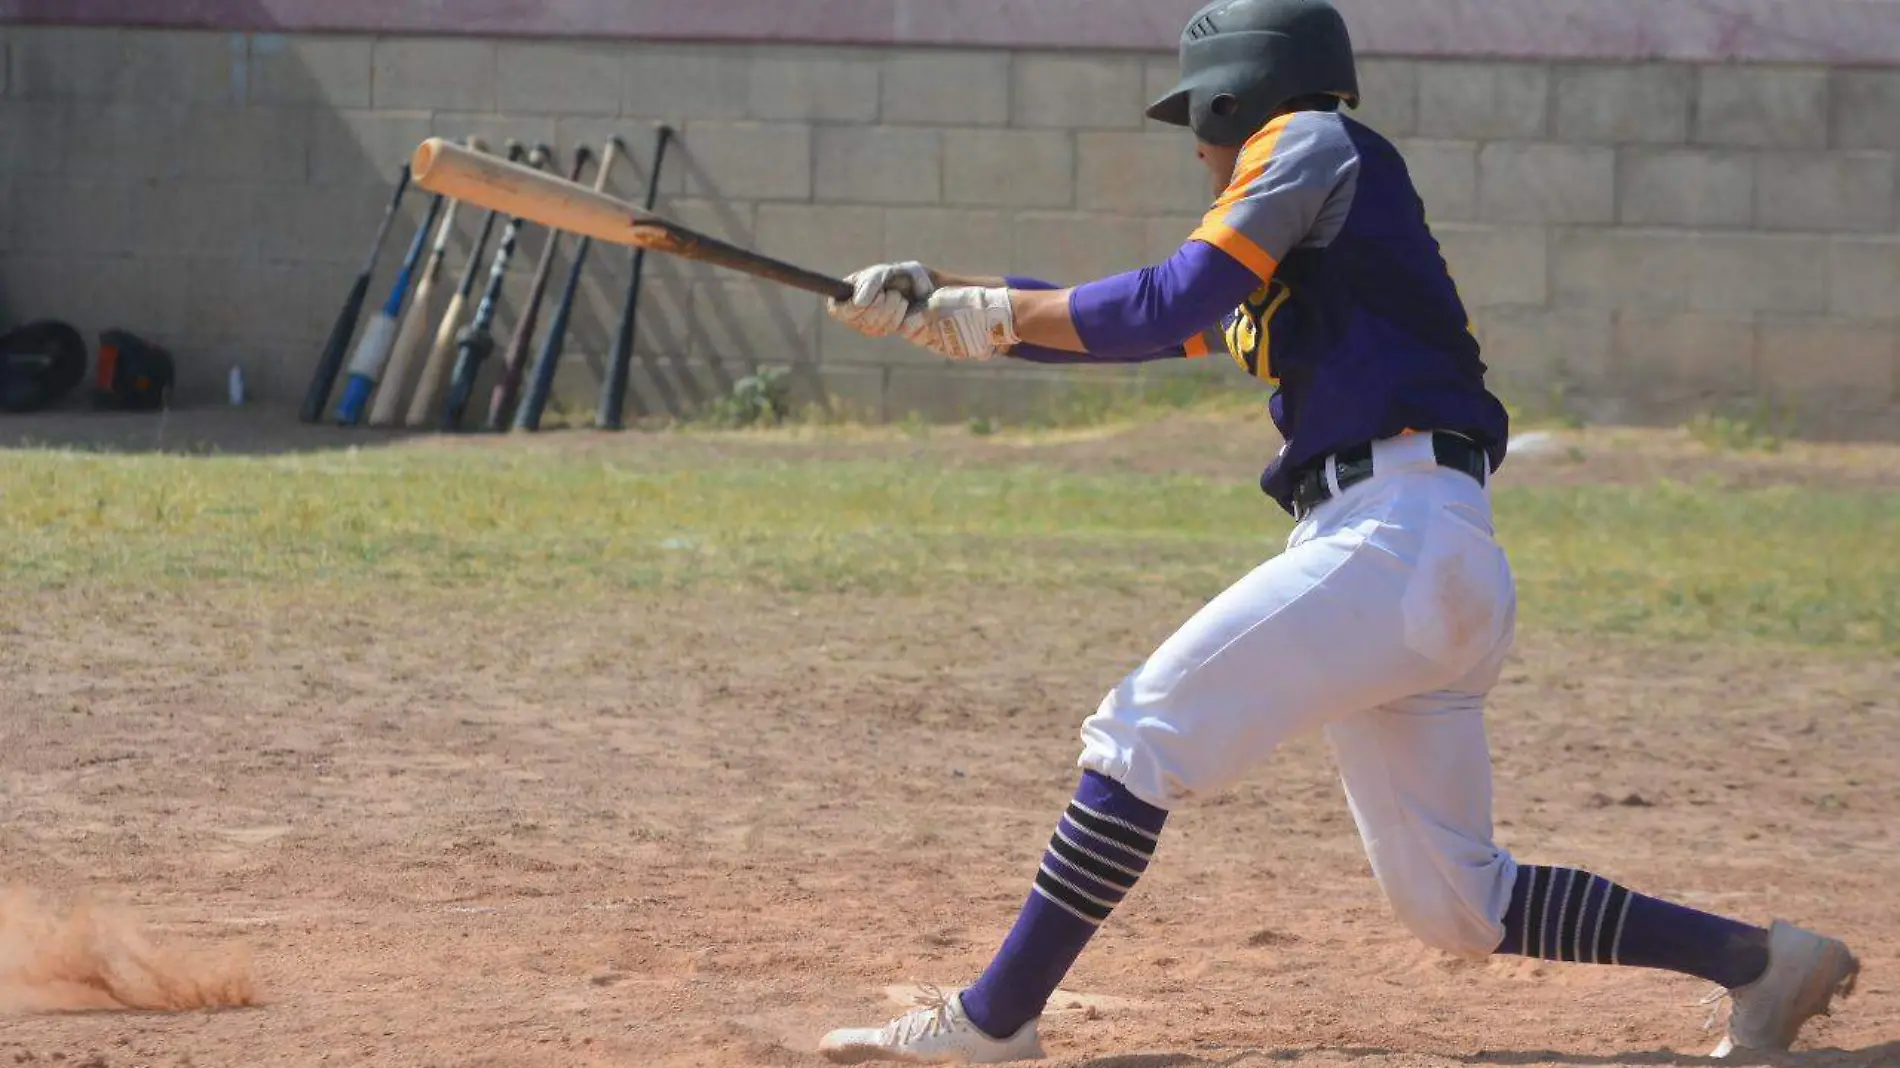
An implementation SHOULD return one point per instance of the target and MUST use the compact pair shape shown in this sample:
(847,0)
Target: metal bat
(613,392)
(330,361)
(501,400)
(441,167)
(541,383)
(426,404)
(477,340)
(415,325)
(379,337)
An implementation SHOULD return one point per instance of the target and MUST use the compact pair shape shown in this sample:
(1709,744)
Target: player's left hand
(964,323)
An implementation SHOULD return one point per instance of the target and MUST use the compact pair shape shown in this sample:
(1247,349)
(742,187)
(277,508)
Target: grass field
(680,748)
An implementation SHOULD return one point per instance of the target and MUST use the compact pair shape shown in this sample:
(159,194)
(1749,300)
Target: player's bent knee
(1439,915)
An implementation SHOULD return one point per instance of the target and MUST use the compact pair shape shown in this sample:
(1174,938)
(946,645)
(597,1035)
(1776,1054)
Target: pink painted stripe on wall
(1813,31)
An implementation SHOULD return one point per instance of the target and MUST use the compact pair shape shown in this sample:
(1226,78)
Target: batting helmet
(1243,60)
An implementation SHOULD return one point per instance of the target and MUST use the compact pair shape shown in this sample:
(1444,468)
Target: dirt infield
(701,829)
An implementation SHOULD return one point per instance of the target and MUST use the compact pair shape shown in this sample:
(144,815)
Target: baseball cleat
(1805,971)
(936,1032)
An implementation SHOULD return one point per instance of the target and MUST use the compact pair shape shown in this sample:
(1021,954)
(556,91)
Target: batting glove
(880,297)
(963,323)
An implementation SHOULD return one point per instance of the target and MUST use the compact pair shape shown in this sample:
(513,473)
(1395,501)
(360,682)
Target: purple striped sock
(1101,846)
(1570,915)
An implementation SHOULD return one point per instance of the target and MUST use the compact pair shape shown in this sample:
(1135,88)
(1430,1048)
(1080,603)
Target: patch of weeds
(760,399)
(1753,431)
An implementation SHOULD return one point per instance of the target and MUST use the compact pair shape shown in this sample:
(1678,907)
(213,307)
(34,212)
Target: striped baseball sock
(1571,915)
(1101,846)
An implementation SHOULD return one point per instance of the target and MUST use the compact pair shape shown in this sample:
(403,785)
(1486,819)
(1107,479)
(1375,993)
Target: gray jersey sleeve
(1292,188)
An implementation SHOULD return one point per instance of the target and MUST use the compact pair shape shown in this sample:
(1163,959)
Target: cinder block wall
(1636,241)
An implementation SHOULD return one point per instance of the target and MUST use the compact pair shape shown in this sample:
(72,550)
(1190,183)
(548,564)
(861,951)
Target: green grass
(1667,561)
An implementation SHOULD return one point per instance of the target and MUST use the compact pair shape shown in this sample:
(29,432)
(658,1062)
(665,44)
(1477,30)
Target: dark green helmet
(1243,60)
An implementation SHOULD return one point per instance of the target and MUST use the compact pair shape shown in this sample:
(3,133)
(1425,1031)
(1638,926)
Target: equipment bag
(134,374)
(40,363)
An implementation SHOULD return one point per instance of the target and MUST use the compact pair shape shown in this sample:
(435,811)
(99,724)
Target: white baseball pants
(1385,622)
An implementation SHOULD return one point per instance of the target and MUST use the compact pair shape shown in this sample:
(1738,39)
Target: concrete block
(839,344)
(6,62)
(878,165)
(68,217)
(112,141)
(1078,91)
(837,239)
(1535,354)
(365,147)
(1864,278)
(309,71)
(635,167)
(558,78)
(1685,359)
(1165,236)
(752,323)
(1388,95)
(1446,174)
(134,294)
(1848,192)
(815,85)
(681,83)
(330,224)
(44,285)
(1623,269)
(752,160)
(1481,101)
(1070,248)
(66,63)
(234,300)
(1009,168)
(1624,103)
(1762,107)
(1139,173)
(954,88)
(34,137)
(197,219)
(965,242)
(1550,183)
(1685,187)
(1497,265)
(184,67)
(434,73)
(1864,109)
(1817,366)
(1159,76)
(1760,273)
(246,144)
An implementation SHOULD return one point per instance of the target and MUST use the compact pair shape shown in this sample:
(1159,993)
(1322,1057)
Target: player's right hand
(881,296)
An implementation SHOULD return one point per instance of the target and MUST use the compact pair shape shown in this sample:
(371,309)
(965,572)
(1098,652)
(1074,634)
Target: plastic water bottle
(235,385)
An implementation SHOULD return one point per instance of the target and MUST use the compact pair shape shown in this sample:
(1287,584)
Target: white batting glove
(881,296)
(964,323)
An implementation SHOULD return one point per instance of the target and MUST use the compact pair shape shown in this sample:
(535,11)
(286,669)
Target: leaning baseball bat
(415,325)
(379,337)
(613,392)
(477,340)
(427,400)
(541,383)
(441,167)
(514,360)
(330,362)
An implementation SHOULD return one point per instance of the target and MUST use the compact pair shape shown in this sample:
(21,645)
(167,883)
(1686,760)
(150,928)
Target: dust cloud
(85,958)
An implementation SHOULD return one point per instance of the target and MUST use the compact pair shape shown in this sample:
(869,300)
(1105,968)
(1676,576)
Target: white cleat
(937,1032)
(1805,971)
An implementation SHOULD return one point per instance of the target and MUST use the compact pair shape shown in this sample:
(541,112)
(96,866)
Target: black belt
(1354,465)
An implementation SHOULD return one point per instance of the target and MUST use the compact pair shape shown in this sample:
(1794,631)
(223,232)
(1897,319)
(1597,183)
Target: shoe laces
(931,1017)
(1714,1000)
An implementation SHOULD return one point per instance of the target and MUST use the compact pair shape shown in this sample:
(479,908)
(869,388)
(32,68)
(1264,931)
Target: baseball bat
(541,383)
(501,400)
(477,340)
(330,361)
(415,325)
(379,337)
(427,400)
(613,392)
(441,167)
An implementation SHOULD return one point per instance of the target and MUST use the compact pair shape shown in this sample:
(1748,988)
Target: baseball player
(1386,619)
